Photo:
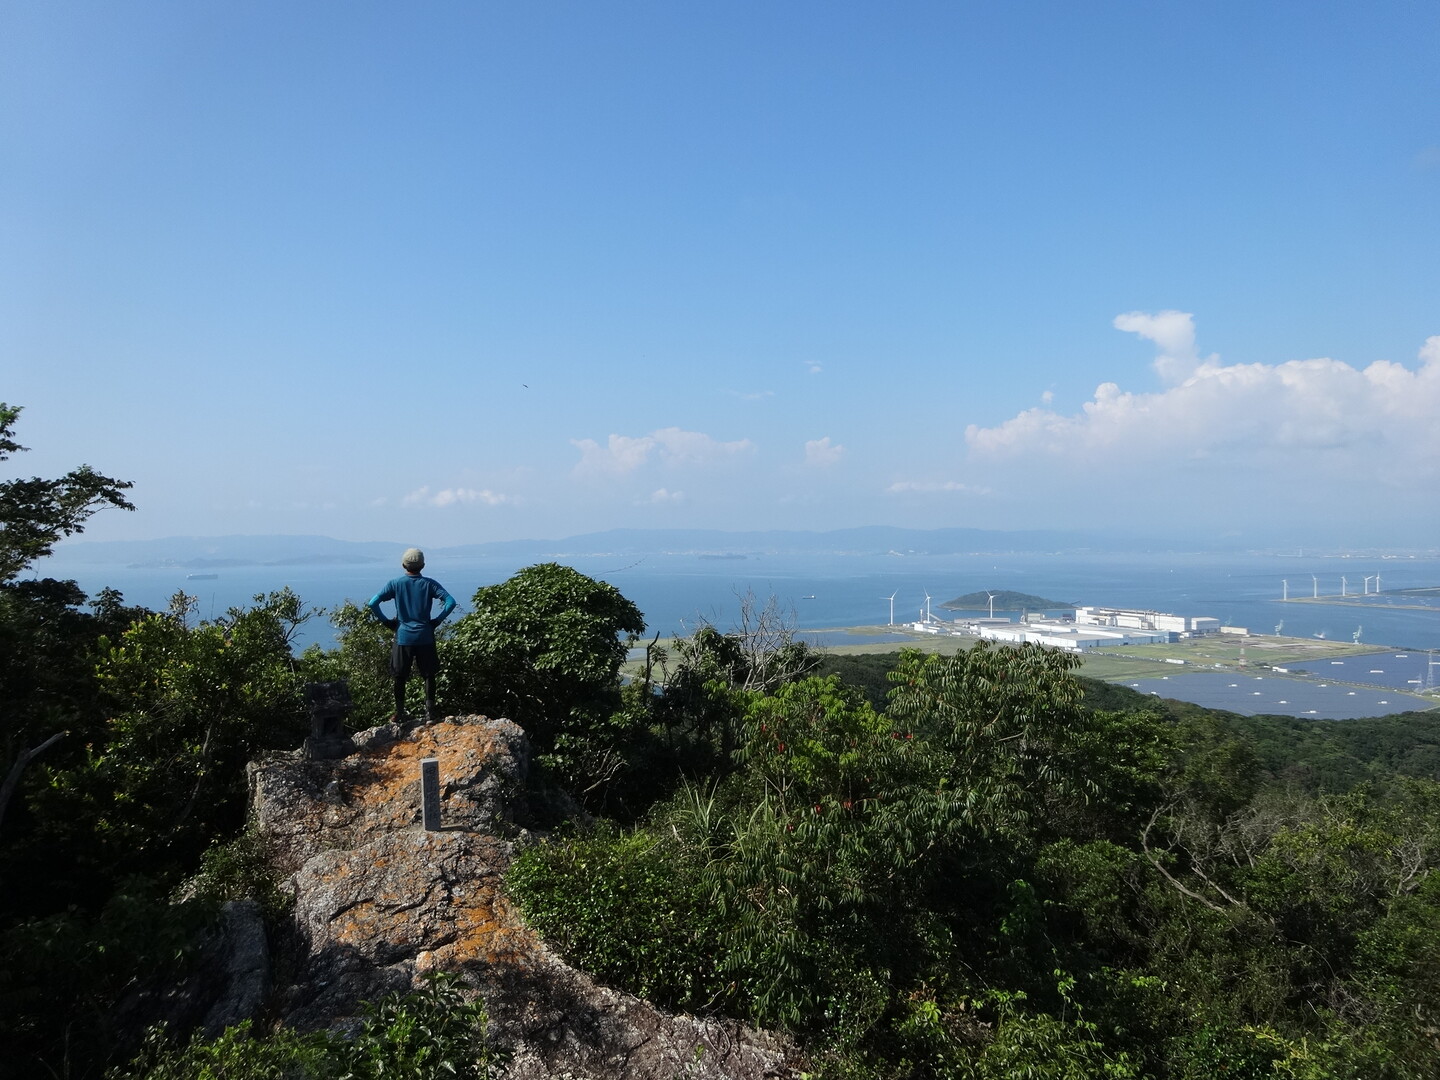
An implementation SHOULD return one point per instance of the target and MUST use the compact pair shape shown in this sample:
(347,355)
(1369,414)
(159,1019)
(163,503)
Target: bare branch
(12,778)
(1155,862)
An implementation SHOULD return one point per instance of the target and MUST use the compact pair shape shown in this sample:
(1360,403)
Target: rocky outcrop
(379,901)
(227,982)
(241,959)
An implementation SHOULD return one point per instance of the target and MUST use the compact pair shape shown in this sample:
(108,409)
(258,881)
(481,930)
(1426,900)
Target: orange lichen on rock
(378,885)
(379,901)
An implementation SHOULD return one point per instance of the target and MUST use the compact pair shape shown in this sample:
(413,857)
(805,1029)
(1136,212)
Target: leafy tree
(45,671)
(716,676)
(817,877)
(704,699)
(36,513)
(156,781)
(1011,723)
(45,640)
(1036,1045)
(189,706)
(867,672)
(909,890)
(544,649)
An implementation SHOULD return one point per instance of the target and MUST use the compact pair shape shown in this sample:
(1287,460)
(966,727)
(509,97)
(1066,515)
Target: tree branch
(12,778)
(1155,862)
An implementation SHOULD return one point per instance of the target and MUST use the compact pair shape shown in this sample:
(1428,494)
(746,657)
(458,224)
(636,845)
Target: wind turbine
(1367,585)
(891,598)
(1342,584)
(1377,584)
(927,606)
(1355,637)
(1315,582)
(1285,589)
(991,597)
(1279,626)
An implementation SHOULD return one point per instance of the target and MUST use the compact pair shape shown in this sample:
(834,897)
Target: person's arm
(374,606)
(447,608)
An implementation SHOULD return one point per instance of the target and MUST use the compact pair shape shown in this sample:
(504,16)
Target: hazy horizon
(279,549)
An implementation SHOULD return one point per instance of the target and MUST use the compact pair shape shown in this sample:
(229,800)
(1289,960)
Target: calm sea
(676,592)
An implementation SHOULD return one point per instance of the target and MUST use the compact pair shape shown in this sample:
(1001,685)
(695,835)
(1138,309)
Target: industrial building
(1069,636)
(1135,619)
(1091,628)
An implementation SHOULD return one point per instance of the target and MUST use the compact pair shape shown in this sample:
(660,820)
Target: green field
(1117,663)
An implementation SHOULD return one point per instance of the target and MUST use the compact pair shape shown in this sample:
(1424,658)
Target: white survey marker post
(430,793)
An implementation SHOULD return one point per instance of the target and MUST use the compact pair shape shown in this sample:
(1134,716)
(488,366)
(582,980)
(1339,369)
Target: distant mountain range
(211,552)
(868,540)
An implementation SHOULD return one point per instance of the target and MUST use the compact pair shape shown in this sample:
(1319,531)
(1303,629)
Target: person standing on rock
(414,596)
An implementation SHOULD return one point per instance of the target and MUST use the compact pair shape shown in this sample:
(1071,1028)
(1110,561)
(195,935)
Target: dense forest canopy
(975,866)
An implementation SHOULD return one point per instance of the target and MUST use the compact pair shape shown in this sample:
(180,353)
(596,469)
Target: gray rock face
(229,983)
(379,901)
(243,960)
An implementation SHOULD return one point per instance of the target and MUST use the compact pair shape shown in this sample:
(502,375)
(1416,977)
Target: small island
(1005,600)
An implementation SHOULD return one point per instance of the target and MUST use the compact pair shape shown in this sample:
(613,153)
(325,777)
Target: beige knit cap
(413,559)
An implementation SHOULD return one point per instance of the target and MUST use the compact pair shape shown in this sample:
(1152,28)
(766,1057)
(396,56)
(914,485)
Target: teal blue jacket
(413,595)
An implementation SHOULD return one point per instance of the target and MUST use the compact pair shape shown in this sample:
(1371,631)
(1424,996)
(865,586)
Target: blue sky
(450,272)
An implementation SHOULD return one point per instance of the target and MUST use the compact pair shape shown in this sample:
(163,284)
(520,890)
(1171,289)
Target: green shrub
(429,1032)
(426,1033)
(239,870)
(629,908)
(237,1054)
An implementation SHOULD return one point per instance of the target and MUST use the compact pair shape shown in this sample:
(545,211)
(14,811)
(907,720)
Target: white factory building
(1070,636)
(1091,628)
(1135,619)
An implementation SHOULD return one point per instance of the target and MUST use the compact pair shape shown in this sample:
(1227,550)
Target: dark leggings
(400,681)
(423,657)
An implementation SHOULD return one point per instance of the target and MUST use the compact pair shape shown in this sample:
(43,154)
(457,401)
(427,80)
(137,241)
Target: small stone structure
(329,704)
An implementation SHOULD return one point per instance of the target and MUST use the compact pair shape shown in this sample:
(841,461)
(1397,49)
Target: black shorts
(423,657)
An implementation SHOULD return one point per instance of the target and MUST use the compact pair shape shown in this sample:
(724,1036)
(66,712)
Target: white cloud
(755,395)
(1047,397)
(423,496)
(1303,415)
(926,487)
(821,452)
(814,367)
(691,447)
(662,495)
(1174,333)
(672,446)
(621,454)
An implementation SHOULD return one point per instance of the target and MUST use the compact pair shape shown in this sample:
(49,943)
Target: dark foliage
(867,672)
(996,878)
(436,1031)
